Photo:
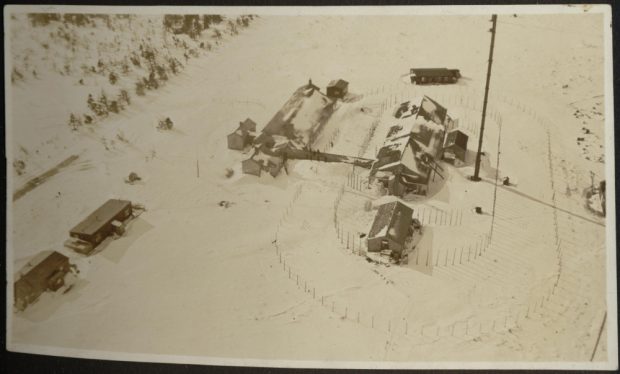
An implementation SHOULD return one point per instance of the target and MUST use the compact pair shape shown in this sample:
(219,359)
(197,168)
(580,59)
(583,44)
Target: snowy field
(276,273)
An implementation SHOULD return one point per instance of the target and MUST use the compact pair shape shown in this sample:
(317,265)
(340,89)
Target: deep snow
(194,278)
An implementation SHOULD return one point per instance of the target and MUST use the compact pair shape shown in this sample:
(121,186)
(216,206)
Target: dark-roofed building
(431,110)
(434,75)
(251,166)
(248,125)
(408,156)
(243,136)
(391,228)
(337,88)
(455,147)
(41,274)
(100,223)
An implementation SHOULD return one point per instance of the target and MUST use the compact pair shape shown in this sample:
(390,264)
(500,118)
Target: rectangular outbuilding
(243,136)
(99,224)
(46,272)
(434,75)
(455,147)
(391,228)
(337,88)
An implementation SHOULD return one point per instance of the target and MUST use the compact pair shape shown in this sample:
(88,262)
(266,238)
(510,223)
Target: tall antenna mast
(476,176)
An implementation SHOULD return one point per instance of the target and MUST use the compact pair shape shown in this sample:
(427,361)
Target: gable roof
(413,143)
(340,83)
(42,267)
(432,111)
(247,125)
(102,215)
(392,220)
(456,138)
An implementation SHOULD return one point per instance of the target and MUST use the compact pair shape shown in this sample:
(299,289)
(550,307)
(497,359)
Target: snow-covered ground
(275,274)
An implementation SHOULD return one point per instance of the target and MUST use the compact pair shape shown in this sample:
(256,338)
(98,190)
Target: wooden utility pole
(476,176)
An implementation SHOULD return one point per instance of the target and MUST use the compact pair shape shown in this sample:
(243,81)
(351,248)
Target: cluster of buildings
(422,135)
(47,271)
(243,136)
(408,159)
(291,131)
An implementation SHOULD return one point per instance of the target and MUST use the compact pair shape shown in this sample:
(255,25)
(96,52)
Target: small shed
(99,224)
(251,166)
(434,75)
(337,88)
(45,272)
(243,136)
(248,125)
(455,147)
(237,140)
(391,228)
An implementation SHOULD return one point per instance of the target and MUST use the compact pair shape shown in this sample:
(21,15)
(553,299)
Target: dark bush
(112,78)
(140,86)
(211,19)
(74,122)
(16,75)
(161,72)
(43,19)
(113,106)
(123,97)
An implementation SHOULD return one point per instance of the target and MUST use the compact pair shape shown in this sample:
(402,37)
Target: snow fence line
(464,329)
(535,306)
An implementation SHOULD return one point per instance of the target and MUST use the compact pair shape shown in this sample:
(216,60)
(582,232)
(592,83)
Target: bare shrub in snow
(112,78)
(88,119)
(132,178)
(42,19)
(103,104)
(232,28)
(151,83)
(174,65)
(76,19)
(125,68)
(135,59)
(74,122)
(19,166)
(211,19)
(140,86)
(123,98)
(165,124)
(229,172)
(113,106)
(16,76)
(161,72)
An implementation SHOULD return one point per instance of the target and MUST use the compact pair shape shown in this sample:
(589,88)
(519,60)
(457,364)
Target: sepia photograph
(390,187)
